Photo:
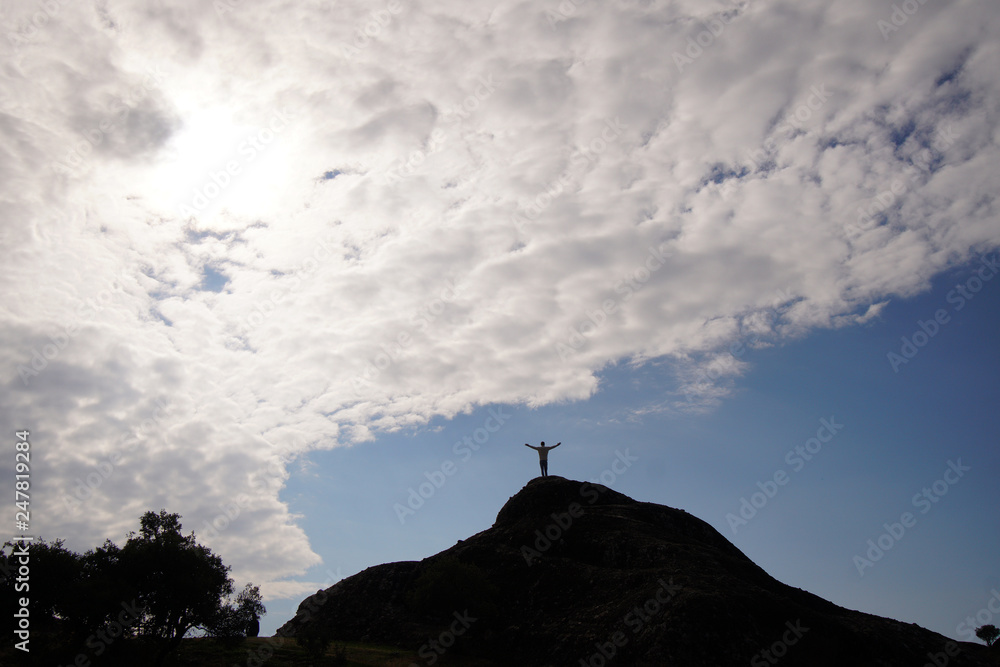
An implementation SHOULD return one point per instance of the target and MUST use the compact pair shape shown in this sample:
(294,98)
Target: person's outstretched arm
(556,445)
(527,445)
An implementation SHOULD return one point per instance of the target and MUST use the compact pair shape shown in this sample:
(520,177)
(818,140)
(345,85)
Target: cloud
(523,195)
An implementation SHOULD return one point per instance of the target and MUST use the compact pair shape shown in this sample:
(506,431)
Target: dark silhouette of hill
(573,573)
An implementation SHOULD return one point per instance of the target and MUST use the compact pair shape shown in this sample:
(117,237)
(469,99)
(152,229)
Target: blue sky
(900,430)
(272,261)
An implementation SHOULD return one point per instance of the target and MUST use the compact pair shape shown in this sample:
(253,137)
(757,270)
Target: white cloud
(467,192)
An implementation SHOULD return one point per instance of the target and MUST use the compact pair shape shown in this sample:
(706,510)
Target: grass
(274,652)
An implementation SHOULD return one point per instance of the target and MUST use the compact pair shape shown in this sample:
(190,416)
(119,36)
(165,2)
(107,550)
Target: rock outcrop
(573,573)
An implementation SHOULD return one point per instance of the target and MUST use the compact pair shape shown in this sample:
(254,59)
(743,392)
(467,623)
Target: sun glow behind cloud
(215,163)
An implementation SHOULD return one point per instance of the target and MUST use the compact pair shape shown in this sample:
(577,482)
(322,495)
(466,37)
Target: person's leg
(545,468)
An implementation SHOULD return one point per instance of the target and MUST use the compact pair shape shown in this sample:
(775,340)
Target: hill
(573,573)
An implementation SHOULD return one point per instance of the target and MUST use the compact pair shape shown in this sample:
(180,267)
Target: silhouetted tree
(61,566)
(98,597)
(157,588)
(54,571)
(988,633)
(181,584)
(71,596)
(238,619)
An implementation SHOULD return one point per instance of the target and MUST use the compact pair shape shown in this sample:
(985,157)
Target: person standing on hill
(543,456)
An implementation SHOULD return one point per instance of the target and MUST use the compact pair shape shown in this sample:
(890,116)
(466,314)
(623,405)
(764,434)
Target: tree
(97,597)
(72,596)
(239,619)
(60,566)
(988,633)
(181,584)
(158,587)
(54,570)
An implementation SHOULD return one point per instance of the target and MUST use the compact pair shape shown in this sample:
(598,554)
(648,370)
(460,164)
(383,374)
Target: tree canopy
(138,599)
(988,633)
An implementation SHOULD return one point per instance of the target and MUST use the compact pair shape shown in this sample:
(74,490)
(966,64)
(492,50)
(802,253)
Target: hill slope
(573,573)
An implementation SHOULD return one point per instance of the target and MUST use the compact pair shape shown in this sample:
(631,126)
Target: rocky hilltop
(574,573)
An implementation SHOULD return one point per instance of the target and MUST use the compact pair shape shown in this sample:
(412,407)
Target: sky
(273,266)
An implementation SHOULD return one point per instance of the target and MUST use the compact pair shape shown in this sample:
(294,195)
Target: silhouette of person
(543,456)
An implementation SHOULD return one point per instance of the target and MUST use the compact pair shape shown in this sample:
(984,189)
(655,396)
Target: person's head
(543,443)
